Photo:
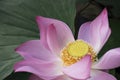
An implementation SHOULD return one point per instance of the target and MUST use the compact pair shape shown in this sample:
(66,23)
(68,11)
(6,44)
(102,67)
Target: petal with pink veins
(100,75)
(34,49)
(43,69)
(79,70)
(109,60)
(96,32)
(58,36)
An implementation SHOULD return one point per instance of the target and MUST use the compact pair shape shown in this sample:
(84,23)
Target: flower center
(75,51)
(77,48)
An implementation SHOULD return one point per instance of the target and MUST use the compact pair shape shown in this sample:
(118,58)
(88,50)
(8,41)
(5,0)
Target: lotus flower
(58,56)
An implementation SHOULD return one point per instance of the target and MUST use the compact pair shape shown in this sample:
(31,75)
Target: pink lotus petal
(79,70)
(34,49)
(58,35)
(34,77)
(109,60)
(100,75)
(62,31)
(96,32)
(43,24)
(45,70)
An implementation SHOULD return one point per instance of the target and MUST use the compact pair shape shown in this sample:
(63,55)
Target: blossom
(58,56)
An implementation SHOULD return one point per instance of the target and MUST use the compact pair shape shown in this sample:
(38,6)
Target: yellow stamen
(75,51)
(77,48)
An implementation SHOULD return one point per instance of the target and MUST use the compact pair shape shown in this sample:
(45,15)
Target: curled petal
(45,70)
(96,32)
(110,60)
(100,75)
(79,70)
(58,35)
(34,49)
(54,33)
(43,24)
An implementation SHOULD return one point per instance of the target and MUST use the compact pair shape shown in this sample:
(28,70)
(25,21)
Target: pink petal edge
(43,24)
(109,60)
(100,75)
(34,49)
(45,70)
